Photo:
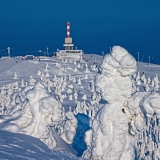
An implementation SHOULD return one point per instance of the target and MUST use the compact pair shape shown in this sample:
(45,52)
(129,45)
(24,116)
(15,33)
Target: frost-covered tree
(75,95)
(147,88)
(86,76)
(75,69)
(47,74)
(46,69)
(79,80)
(92,86)
(138,80)
(22,83)
(70,97)
(115,86)
(33,108)
(74,79)
(84,97)
(149,80)
(31,80)
(156,83)
(15,76)
(68,127)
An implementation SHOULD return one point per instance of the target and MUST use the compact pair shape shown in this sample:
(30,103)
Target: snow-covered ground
(14,146)
(61,109)
(18,78)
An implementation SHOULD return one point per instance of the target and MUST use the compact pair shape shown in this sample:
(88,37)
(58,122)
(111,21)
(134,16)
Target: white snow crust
(112,115)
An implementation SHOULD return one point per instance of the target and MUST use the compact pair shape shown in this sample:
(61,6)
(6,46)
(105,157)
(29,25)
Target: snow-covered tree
(31,80)
(22,83)
(15,76)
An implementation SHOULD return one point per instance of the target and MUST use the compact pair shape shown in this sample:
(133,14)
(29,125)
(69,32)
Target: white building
(68,51)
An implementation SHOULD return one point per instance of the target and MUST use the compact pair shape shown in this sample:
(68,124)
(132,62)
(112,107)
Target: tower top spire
(68,30)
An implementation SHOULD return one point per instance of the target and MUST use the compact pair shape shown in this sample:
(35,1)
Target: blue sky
(30,25)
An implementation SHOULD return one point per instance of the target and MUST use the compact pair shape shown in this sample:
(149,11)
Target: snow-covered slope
(20,146)
(31,100)
(75,112)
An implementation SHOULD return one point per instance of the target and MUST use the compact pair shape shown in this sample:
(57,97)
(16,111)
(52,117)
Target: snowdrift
(34,112)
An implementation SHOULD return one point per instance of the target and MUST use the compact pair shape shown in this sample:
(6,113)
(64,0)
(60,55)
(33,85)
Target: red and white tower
(68,40)
(69,52)
(68,29)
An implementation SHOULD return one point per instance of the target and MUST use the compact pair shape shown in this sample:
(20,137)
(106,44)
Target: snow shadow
(17,146)
(78,141)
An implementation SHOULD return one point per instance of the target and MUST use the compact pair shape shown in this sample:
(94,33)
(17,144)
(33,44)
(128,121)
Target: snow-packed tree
(34,111)
(15,76)
(115,85)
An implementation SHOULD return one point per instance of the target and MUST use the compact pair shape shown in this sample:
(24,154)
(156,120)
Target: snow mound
(149,105)
(34,112)
(67,129)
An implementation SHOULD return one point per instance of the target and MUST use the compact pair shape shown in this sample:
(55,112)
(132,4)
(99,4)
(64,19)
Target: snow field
(64,103)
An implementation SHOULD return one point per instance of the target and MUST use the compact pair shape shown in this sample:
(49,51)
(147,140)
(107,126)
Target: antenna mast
(9,51)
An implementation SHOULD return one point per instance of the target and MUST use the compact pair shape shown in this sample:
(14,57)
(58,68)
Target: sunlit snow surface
(55,102)
(22,147)
(31,103)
